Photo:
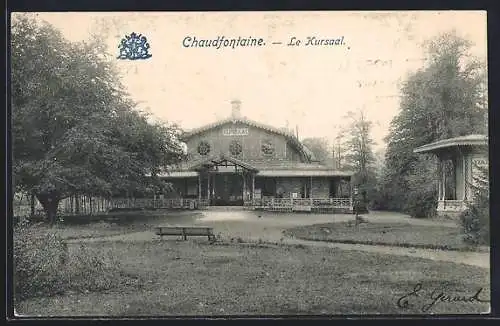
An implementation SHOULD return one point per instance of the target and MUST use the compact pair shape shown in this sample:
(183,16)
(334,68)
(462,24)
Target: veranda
(88,205)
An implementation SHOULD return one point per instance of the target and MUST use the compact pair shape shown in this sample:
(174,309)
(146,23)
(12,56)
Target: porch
(315,205)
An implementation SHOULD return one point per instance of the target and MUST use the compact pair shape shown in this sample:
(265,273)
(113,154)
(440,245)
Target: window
(267,148)
(235,148)
(204,148)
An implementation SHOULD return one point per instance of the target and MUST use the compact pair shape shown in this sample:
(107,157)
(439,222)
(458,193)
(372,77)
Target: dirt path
(267,227)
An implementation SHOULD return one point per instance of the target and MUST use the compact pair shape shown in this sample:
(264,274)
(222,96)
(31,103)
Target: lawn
(393,234)
(196,278)
(78,227)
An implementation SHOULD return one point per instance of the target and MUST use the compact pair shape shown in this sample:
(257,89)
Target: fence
(301,204)
(169,203)
(88,205)
(74,205)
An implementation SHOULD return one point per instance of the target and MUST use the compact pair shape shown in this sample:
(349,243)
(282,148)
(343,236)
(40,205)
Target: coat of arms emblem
(134,47)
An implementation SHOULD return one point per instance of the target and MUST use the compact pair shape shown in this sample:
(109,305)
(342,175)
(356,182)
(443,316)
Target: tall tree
(443,99)
(74,128)
(358,147)
(320,149)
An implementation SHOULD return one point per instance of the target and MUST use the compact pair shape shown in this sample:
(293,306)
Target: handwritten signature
(437,296)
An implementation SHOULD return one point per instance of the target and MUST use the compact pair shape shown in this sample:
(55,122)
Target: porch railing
(452,205)
(267,202)
(158,203)
(92,206)
(272,203)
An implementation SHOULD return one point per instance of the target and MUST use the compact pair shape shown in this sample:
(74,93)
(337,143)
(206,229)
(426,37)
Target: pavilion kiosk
(462,156)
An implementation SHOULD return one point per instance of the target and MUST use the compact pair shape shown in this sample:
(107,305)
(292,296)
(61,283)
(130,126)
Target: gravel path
(268,227)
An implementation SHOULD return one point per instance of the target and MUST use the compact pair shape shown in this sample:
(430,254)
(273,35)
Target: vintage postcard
(250,163)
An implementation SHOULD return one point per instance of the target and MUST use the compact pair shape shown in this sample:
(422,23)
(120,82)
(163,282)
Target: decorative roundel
(267,147)
(204,148)
(235,148)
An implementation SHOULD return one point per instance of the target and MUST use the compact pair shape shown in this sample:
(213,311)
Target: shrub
(90,270)
(421,203)
(37,263)
(475,219)
(43,266)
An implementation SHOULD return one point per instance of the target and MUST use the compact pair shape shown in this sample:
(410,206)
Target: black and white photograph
(253,163)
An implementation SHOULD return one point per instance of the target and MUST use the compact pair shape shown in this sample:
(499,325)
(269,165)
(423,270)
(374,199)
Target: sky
(308,87)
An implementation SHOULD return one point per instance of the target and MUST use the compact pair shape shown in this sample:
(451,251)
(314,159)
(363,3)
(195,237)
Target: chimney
(236,109)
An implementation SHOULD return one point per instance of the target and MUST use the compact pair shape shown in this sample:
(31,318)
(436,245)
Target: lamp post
(356,205)
(355,199)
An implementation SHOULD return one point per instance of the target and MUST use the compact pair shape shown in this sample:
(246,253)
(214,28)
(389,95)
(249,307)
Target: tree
(320,149)
(443,99)
(476,218)
(358,147)
(74,128)
(378,199)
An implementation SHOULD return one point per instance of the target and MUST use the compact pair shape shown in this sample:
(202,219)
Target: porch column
(311,190)
(208,187)
(465,175)
(454,165)
(444,180)
(440,179)
(199,187)
(212,195)
(244,187)
(253,187)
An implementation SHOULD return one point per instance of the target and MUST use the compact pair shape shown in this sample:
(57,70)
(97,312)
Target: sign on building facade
(235,132)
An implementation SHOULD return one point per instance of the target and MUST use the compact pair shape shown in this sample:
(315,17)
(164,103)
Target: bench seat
(185,231)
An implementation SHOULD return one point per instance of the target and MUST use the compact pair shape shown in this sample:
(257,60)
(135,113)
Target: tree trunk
(49,204)
(32,203)
(77,204)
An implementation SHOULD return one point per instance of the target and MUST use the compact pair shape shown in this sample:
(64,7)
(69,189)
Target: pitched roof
(290,136)
(469,140)
(268,173)
(286,165)
(290,168)
(265,168)
(304,173)
(216,160)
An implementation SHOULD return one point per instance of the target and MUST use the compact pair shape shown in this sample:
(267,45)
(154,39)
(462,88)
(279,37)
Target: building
(241,162)
(463,155)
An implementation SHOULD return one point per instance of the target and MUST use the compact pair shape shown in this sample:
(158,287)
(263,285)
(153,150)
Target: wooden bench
(184,231)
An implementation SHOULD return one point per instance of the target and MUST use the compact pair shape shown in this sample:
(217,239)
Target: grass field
(78,227)
(195,278)
(394,234)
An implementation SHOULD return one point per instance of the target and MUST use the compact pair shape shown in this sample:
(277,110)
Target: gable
(252,136)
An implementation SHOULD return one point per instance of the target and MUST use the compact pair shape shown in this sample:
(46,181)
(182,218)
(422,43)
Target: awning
(470,140)
(178,174)
(304,173)
(268,173)
(222,161)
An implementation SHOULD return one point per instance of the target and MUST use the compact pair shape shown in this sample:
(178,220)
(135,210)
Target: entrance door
(228,190)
